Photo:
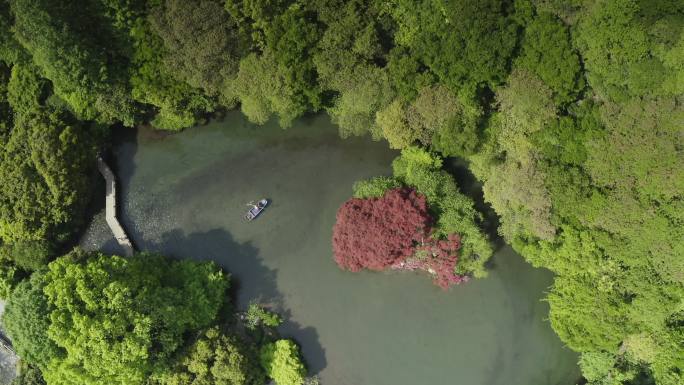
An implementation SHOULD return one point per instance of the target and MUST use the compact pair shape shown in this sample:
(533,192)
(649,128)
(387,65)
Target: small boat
(256,209)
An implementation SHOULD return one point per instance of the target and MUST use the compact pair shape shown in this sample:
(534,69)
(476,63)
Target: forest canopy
(570,113)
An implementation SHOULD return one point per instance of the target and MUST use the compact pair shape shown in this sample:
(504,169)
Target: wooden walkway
(6,344)
(110,208)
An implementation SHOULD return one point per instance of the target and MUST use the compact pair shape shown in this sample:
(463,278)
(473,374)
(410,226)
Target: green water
(185,194)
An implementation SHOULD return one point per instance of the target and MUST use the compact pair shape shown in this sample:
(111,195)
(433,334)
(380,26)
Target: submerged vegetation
(569,112)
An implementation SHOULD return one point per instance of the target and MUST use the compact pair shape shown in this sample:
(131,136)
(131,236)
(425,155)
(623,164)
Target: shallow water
(185,194)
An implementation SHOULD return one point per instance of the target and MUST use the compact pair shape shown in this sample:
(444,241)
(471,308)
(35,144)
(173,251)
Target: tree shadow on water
(308,338)
(250,280)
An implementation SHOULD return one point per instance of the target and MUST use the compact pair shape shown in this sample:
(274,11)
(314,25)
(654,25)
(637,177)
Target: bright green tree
(120,320)
(283,363)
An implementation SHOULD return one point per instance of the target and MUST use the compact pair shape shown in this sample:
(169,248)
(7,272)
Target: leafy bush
(282,362)
(69,42)
(216,359)
(27,320)
(45,166)
(9,278)
(28,375)
(28,255)
(257,315)
(548,53)
(375,187)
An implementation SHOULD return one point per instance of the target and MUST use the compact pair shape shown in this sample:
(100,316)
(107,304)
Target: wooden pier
(110,208)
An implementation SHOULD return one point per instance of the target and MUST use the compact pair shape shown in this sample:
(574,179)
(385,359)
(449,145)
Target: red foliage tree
(438,257)
(441,259)
(376,233)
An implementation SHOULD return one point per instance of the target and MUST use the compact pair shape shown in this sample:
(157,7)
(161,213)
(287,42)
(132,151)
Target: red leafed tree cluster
(376,233)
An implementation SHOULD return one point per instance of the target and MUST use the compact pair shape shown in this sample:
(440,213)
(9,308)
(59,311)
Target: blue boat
(256,209)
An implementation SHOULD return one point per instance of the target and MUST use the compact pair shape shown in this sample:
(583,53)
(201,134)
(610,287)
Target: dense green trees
(45,165)
(89,318)
(216,359)
(65,40)
(548,53)
(99,319)
(632,48)
(592,190)
(465,43)
(27,320)
(202,43)
(96,301)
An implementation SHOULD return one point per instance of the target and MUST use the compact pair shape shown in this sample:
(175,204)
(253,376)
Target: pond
(184,195)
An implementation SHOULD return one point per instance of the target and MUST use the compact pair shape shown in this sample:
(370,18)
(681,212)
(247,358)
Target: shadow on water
(309,340)
(251,279)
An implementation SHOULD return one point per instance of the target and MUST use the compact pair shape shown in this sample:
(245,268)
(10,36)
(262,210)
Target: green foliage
(10,49)
(152,83)
(28,255)
(44,165)
(407,73)
(119,320)
(257,315)
(29,375)
(65,40)
(454,211)
(435,113)
(374,187)
(27,320)
(450,121)
(282,362)
(345,59)
(633,48)
(393,123)
(595,195)
(351,40)
(513,177)
(264,91)
(216,359)
(548,53)
(26,89)
(9,278)
(361,95)
(282,79)
(291,37)
(202,44)
(479,31)
(600,369)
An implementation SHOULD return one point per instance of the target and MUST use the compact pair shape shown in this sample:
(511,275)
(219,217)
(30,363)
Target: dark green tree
(548,53)
(68,41)
(216,359)
(27,320)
